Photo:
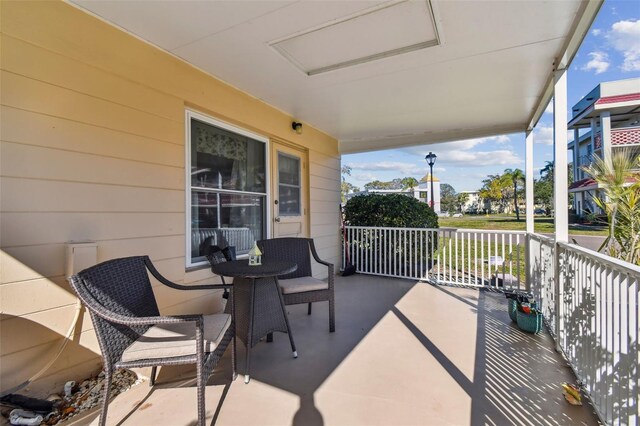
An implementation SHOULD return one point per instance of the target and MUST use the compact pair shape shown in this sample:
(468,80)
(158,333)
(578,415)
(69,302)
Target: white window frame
(189,115)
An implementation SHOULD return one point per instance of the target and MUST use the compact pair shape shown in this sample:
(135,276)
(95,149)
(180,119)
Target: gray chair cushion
(302,284)
(173,340)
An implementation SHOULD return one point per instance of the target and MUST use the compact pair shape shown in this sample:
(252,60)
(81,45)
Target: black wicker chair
(300,286)
(132,334)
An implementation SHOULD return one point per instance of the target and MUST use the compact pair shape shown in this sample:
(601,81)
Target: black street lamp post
(431,160)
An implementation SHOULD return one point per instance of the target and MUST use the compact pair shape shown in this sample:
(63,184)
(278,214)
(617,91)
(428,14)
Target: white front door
(289,191)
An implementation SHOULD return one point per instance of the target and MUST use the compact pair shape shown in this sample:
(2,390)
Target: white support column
(560,184)
(605,136)
(594,129)
(576,154)
(528,171)
(528,189)
(560,195)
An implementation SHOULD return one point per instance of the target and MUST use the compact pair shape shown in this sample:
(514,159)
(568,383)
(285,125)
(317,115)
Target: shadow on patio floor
(403,353)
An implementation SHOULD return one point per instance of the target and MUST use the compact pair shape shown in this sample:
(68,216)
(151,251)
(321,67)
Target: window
(227,187)
(423,194)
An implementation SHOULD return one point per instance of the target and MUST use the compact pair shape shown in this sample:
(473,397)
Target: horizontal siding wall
(92,147)
(324,200)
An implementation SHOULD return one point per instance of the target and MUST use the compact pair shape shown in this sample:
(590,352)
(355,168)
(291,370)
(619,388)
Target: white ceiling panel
(489,72)
(368,35)
(175,23)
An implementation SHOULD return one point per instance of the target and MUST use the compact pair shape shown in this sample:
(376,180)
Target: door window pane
(288,170)
(289,202)
(288,185)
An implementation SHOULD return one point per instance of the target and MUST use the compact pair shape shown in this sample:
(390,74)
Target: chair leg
(234,361)
(309,309)
(201,390)
(152,379)
(105,397)
(332,313)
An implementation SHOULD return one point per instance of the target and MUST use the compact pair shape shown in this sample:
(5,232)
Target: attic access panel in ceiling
(386,30)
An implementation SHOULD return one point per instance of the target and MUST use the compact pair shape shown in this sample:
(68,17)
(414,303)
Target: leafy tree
(493,190)
(621,202)
(461,200)
(346,187)
(546,172)
(543,187)
(543,194)
(397,183)
(516,176)
(376,184)
(448,198)
(409,183)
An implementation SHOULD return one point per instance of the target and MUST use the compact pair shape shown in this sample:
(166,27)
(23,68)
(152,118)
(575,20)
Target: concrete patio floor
(404,353)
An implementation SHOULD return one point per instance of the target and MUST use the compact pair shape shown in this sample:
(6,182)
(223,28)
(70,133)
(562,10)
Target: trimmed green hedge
(392,210)
(395,252)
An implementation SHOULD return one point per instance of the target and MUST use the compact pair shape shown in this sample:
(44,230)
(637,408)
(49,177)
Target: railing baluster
(450,258)
(421,254)
(510,251)
(482,262)
(457,268)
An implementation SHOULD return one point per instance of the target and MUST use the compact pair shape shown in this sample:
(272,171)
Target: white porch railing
(598,329)
(591,302)
(541,275)
(471,257)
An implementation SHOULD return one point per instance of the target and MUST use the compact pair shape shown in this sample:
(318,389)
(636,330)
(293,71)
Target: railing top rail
(448,229)
(618,264)
(541,238)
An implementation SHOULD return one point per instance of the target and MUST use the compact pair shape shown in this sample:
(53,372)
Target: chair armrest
(133,321)
(316,257)
(322,262)
(171,284)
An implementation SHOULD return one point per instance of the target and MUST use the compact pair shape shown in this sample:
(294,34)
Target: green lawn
(509,222)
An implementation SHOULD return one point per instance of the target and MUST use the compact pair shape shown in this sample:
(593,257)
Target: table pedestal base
(260,310)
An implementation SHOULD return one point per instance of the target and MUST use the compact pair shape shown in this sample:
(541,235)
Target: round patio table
(258,303)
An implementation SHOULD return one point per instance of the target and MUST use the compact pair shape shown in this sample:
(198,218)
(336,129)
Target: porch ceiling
(488,74)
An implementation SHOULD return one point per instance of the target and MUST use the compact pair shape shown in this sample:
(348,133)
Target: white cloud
(599,62)
(502,139)
(364,177)
(544,135)
(596,32)
(462,145)
(624,37)
(549,109)
(481,158)
(396,166)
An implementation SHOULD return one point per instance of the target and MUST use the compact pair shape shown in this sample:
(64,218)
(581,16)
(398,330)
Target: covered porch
(406,352)
(94,148)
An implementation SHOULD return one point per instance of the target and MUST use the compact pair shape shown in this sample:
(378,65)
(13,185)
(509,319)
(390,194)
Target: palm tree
(621,186)
(515,175)
(409,183)
(547,171)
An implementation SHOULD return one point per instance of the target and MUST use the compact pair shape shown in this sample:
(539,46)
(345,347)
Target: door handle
(277,219)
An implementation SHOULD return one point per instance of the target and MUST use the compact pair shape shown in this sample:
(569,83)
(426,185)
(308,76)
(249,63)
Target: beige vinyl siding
(92,147)
(324,202)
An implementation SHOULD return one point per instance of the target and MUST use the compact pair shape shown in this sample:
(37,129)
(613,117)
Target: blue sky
(611,51)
